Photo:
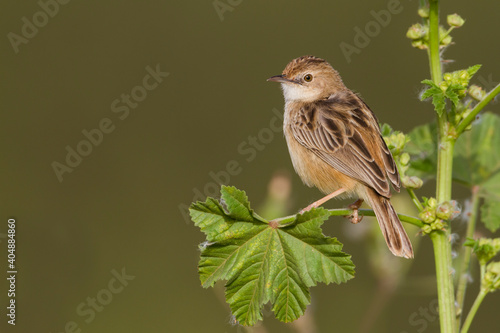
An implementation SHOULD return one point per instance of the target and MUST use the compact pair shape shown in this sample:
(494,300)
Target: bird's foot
(355,217)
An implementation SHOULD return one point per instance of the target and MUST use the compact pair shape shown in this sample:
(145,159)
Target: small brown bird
(335,144)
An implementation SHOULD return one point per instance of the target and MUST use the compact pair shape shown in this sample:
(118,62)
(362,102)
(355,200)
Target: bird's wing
(344,132)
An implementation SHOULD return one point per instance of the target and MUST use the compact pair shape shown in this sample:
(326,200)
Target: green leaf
(430,83)
(484,248)
(473,69)
(385,129)
(238,201)
(490,214)
(438,97)
(422,149)
(266,262)
(452,95)
(476,161)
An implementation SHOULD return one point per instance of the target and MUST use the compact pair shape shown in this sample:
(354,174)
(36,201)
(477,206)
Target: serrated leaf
(473,69)
(237,203)
(264,262)
(438,97)
(439,103)
(452,95)
(430,92)
(429,83)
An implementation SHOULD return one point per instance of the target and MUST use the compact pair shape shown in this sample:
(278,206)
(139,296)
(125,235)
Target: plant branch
(479,106)
(463,276)
(442,247)
(473,310)
(415,199)
(434,58)
(284,221)
(447,33)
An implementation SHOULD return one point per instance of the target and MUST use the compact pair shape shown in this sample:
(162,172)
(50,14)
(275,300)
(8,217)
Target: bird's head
(308,79)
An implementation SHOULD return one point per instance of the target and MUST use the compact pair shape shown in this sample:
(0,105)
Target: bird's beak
(280,79)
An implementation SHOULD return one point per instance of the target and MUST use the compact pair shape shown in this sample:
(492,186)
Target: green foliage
(437,94)
(265,261)
(419,33)
(422,149)
(491,281)
(453,87)
(476,161)
(396,142)
(484,248)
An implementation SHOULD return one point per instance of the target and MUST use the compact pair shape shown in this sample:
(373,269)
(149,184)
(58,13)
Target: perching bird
(335,144)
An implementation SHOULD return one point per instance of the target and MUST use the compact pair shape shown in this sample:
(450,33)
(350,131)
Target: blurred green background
(124,205)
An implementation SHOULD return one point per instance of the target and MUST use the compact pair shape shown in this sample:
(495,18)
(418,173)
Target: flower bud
(426,229)
(427,215)
(463,75)
(423,12)
(443,85)
(404,158)
(412,182)
(454,20)
(445,210)
(438,225)
(492,276)
(462,93)
(416,31)
(476,92)
(432,203)
(419,44)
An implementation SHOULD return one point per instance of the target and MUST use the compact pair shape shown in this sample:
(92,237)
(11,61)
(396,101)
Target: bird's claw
(355,217)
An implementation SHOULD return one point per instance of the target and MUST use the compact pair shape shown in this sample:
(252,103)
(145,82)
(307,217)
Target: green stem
(479,106)
(463,277)
(415,199)
(473,310)
(446,34)
(435,61)
(442,247)
(284,221)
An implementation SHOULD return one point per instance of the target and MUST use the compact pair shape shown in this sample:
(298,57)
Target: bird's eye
(308,77)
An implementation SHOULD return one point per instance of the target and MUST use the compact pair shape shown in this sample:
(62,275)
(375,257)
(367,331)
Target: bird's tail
(395,235)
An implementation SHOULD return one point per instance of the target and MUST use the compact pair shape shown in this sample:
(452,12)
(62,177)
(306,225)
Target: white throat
(296,92)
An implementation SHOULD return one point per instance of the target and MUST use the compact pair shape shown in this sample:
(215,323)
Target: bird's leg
(323,200)
(354,217)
